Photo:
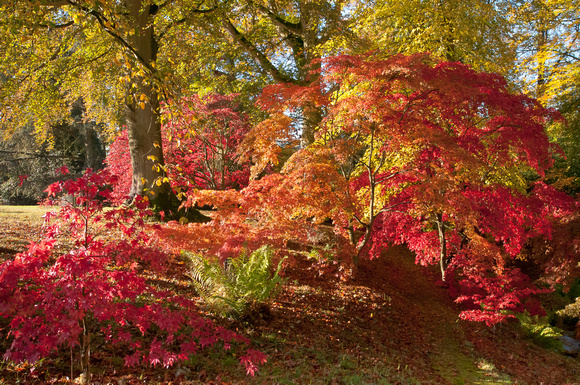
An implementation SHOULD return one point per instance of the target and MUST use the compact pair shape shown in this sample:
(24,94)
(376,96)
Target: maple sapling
(82,279)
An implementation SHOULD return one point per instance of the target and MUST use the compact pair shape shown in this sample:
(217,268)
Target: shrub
(79,281)
(239,285)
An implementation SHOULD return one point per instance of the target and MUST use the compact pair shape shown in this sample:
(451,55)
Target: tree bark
(85,356)
(302,37)
(443,245)
(143,122)
(142,109)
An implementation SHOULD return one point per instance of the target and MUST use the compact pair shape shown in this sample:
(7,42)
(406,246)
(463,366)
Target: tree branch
(241,40)
(54,3)
(293,28)
(194,11)
(56,26)
(101,19)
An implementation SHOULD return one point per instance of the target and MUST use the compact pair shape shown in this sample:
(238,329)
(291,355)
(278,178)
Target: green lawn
(28,214)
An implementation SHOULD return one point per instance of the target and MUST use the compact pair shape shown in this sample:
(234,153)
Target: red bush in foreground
(82,279)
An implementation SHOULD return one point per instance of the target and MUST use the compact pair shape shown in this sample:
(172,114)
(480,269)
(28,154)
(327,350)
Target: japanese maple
(82,279)
(411,150)
(200,141)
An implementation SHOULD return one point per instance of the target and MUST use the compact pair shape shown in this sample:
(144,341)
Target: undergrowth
(239,285)
(539,330)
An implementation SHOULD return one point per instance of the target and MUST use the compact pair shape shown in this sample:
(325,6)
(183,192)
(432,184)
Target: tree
(108,53)
(277,41)
(476,33)
(80,281)
(200,141)
(418,151)
(28,167)
(550,69)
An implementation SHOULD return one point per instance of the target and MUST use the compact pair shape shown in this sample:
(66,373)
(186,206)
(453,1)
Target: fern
(539,330)
(233,289)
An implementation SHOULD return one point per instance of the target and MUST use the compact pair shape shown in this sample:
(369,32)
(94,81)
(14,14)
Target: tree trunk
(93,158)
(142,116)
(85,377)
(144,131)
(142,109)
(443,243)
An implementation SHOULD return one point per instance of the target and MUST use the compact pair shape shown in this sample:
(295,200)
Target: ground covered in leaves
(393,324)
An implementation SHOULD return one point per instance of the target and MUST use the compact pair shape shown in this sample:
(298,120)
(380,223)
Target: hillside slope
(394,324)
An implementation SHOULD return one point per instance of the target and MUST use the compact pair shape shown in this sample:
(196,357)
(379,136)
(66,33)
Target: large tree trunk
(142,116)
(144,130)
(142,109)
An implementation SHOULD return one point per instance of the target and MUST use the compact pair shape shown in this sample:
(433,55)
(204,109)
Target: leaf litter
(394,323)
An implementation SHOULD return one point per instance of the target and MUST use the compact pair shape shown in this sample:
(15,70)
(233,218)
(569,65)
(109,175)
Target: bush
(240,285)
(82,281)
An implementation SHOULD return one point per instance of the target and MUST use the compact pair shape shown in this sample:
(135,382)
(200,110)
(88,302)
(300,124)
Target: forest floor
(393,324)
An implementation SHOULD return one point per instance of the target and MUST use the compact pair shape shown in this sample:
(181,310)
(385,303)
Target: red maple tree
(411,150)
(82,279)
(201,136)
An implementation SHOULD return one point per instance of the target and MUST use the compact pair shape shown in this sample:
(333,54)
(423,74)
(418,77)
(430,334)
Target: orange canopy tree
(417,151)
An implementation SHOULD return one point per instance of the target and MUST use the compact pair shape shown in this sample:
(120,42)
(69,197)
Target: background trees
(477,33)
(107,53)
(122,58)
(28,166)
(549,48)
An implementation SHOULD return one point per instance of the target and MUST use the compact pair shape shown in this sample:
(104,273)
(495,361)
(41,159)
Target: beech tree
(270,42)
(418,151)
(108,53)
(549,67)
(477,33)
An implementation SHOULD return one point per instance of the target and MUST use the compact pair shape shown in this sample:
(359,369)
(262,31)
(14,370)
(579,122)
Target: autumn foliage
(200,141)
(81,281)
(410,151)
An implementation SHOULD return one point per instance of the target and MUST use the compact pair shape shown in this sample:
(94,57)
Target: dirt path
(423,327)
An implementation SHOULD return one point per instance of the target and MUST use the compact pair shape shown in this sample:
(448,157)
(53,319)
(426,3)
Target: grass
(24,214)
(19,225)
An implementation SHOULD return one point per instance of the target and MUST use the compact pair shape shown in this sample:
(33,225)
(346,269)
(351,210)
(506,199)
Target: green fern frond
(246,281)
